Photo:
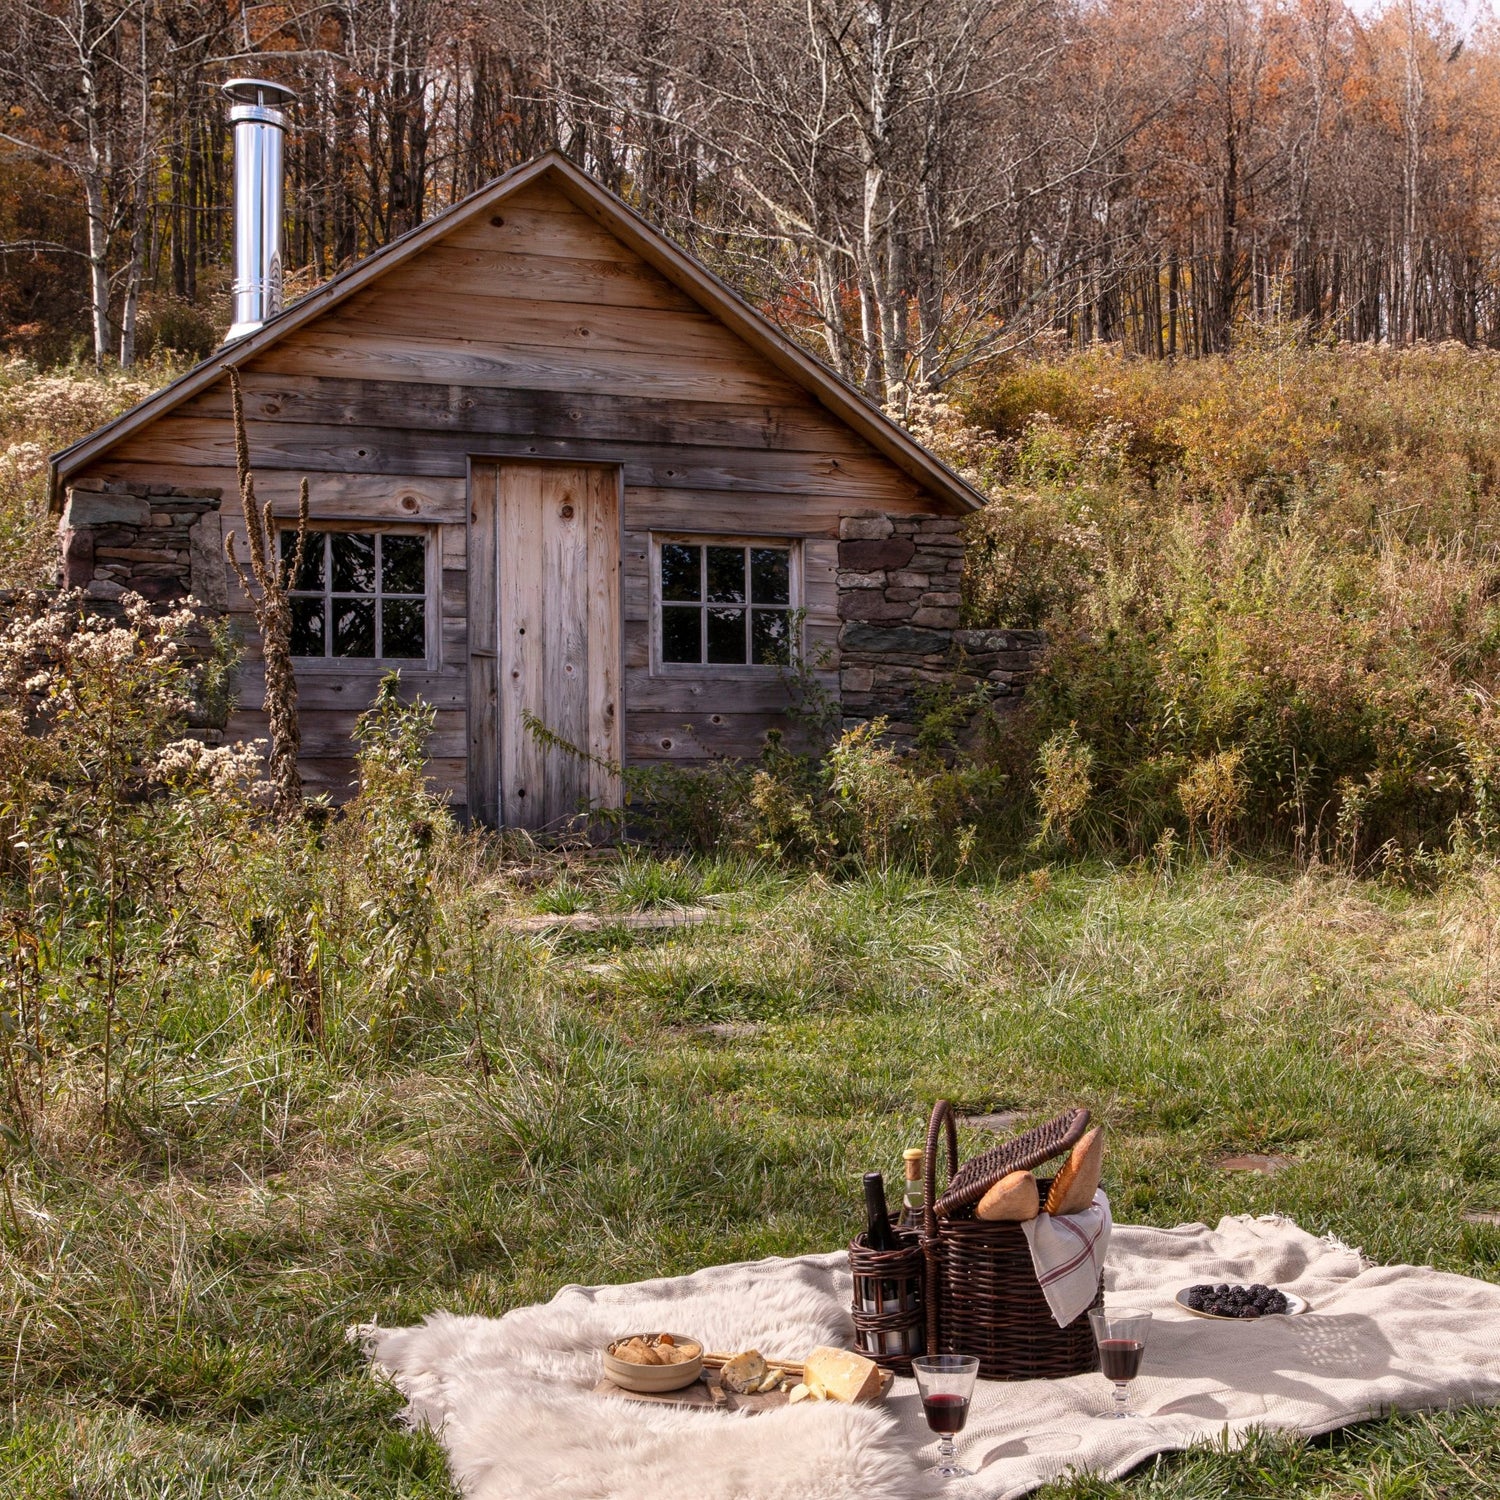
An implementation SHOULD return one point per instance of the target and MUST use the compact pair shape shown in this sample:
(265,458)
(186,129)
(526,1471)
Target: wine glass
(946,1382)
(1121,1335)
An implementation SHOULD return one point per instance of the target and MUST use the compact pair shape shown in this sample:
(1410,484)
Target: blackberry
(1226,1301)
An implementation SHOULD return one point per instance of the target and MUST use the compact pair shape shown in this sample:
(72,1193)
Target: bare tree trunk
(835,332)
(131,302)
(1404,325)
(98,260)
(1172,294)
(1229,203)
(869,329)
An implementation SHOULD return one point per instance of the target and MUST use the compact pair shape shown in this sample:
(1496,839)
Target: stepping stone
(1004,1122)
(598,921)
(1253,1161)
(733,1031)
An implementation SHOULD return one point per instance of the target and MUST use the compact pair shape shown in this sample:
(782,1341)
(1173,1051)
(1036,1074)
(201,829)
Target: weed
(1212,794)
(1063,785)
(275,575)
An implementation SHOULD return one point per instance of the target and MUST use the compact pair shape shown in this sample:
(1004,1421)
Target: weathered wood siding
(530,333)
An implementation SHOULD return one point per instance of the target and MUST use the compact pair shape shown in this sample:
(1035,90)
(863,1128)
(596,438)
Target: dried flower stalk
(273,612)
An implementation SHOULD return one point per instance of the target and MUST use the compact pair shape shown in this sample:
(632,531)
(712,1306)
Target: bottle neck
(879,1234)
(913,1192)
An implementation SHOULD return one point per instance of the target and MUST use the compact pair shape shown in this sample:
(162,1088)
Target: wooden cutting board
(707,1394)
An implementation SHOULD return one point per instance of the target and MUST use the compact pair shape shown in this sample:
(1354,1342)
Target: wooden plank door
(544,622)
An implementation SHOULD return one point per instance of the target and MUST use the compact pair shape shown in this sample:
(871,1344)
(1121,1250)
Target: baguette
(1077,1180)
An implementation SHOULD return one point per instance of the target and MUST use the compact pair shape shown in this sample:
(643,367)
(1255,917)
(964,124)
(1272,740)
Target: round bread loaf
(1012,1200)
(1076,1183)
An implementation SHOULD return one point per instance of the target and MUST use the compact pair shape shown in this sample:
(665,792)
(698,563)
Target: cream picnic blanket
(512,1397)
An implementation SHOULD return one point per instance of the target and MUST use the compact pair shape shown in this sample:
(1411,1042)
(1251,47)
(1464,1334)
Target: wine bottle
(880,1236)
(878,1232)
(914,1197)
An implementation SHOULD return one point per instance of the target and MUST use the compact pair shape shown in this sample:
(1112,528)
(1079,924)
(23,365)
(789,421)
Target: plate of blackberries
(1239,1302)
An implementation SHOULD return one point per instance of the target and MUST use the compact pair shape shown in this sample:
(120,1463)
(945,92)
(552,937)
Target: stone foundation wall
(899,585)
(160,541)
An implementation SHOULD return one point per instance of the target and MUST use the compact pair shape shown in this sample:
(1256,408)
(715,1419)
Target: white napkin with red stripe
(1067,1252)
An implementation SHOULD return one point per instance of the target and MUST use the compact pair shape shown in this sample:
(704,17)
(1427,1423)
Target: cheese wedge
(743,1373)
(839,1375)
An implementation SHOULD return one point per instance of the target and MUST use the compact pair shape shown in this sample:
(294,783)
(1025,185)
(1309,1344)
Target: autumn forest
(914,186)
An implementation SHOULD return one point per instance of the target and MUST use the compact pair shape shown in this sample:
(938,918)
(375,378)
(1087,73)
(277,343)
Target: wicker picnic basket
(982,1293)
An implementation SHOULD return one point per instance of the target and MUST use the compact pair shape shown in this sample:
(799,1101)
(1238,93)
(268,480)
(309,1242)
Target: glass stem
(1122,1398)
(946,1451)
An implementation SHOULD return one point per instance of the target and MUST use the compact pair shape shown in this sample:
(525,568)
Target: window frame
(431,596)
(795,605)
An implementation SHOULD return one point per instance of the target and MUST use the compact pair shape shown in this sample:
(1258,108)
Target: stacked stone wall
(162,542)
(900,582)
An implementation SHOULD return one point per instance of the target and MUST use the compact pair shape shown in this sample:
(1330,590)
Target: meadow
(621,1104)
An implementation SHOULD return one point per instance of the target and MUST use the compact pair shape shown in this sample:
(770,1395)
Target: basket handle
(942,1117)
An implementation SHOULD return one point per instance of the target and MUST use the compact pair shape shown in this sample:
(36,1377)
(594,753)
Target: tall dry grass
(1290,559)
(41,412)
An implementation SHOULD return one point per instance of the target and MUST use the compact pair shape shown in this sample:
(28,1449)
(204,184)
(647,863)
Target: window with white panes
(724,603)
(360,595)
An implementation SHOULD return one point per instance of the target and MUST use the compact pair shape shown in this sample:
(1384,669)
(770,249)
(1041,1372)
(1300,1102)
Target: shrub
(884,801)
(175,327)
(336,917)
(1271,583)
(91,711)
(151,899)
(1212,795)
(1063,785)
(861,804)
(396,828)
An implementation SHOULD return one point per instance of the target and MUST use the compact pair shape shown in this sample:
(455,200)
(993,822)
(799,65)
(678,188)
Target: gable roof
(688,275)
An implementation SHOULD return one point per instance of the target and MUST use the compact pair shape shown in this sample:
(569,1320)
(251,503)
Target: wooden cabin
(560,474)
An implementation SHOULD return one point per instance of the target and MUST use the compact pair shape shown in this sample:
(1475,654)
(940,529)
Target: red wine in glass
(1120,1359)
(1121,1335)
(946,1384)
(946,1413)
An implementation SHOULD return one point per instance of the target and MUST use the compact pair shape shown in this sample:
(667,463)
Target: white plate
(1296,1305)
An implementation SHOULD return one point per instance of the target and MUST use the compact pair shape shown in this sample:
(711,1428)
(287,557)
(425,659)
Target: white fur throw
(511,1397)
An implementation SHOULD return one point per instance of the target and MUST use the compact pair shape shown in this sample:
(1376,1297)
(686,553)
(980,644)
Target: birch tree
(81,75)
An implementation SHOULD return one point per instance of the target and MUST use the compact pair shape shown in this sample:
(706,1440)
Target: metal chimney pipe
(259,130)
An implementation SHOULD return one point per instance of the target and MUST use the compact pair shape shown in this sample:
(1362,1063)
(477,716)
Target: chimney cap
(260,91)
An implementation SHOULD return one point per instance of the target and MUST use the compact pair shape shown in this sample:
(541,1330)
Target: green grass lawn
(172,1317)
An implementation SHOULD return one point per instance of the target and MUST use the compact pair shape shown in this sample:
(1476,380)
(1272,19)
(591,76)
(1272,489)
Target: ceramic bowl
(650,1379)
